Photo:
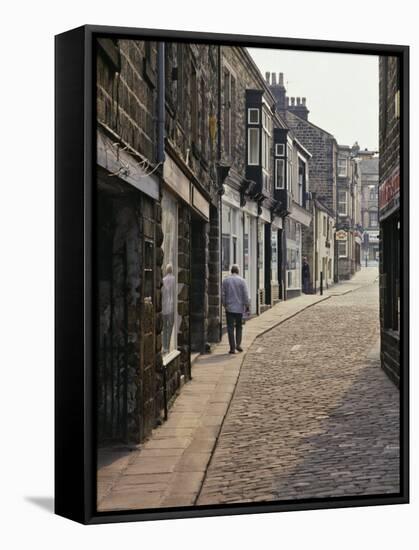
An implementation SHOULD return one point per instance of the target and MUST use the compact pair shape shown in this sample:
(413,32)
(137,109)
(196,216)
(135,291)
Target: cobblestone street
(313,414)
(306,412)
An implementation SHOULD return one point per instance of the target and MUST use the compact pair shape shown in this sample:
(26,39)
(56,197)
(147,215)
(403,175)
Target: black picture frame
(75,475)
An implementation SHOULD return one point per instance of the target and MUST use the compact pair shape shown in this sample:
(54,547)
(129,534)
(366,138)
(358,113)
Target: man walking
(235,299)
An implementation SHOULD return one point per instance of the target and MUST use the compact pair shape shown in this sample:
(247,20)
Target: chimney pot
(304,101)
(273,79)
(288,101)
(267,77)
(298,101)
(292,101)
(281,79)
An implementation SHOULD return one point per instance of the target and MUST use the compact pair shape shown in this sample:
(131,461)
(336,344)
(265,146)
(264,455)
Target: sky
(341,90)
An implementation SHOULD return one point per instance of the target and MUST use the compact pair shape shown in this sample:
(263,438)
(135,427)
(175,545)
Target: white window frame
(290,165)
(342,173)
(346,249)
(277,163)
(266,139)
(257,131)
(251,110)
(341,202)
(279,149)
(376,219)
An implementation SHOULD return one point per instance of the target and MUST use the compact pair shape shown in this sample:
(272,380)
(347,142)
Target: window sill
(171,356)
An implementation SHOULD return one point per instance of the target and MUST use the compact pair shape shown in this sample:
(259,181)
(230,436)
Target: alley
(313,414)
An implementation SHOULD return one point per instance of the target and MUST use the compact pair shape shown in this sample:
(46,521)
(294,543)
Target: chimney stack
(298,107)
(278,90)
(268,77)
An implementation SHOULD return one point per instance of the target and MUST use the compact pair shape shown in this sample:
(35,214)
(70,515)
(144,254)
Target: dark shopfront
(128,375)
(390,276)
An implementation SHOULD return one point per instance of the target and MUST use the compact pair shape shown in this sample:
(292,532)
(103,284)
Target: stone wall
(322,165)
(125,97)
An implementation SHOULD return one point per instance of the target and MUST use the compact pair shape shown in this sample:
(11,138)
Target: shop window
(170,273)
(391,272)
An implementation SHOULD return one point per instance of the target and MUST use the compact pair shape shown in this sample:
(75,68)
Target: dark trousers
(234,320)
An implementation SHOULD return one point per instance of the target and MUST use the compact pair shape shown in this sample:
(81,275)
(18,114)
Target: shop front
(389,204)
(185,218)
(239,240)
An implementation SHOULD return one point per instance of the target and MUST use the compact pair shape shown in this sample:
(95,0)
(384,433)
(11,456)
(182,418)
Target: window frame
(343,202)
(254,130)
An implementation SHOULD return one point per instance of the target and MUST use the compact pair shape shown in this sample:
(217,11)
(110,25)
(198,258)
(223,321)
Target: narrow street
(306,412)
(313,414)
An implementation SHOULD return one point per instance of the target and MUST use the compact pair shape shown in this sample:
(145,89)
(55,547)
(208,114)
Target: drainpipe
(220,202)
(161,92)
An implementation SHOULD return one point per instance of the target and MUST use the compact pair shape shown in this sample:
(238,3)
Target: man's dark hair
(235,269)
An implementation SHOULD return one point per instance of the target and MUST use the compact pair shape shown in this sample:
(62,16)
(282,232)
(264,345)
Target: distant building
(368,168)
(389,215)
(348,227)
(321,167)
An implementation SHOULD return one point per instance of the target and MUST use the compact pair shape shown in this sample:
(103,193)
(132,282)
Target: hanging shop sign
(341,235)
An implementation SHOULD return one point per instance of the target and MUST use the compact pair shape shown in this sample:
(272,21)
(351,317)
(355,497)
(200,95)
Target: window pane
(253,117)
(279,149)
(169,288)
(253,146)
(279,181)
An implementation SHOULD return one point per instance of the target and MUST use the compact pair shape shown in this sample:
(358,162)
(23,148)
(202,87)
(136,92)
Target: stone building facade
(368,168)
(389,214)
(157,227)
(348,218)
(128,213)
(322,147)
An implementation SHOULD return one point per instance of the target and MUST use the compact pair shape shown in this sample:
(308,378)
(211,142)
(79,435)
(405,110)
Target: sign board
(176,179)
(200,202)
(389,193)
(341,235)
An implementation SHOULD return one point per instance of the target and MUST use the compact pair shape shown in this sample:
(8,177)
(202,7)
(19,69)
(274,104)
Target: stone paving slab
(183,445)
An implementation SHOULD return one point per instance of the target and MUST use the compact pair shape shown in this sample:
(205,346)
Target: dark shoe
(238,348)
(232,351)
